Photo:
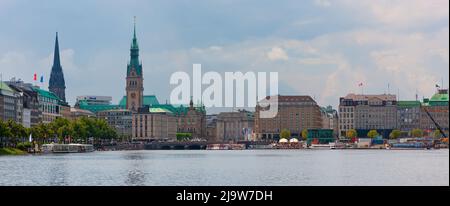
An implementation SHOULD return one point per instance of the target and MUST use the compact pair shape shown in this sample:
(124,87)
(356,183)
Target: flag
(360,84)
(437,86)
(35,77)
(31,138)
(42,79)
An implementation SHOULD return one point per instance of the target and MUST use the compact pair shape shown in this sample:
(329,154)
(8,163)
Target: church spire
(56,60)
(134,43)
(57,84)
(134,54)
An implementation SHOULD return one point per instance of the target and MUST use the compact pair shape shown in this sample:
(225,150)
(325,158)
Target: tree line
(61,130)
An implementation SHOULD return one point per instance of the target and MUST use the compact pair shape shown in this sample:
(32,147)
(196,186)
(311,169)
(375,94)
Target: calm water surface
(247,167)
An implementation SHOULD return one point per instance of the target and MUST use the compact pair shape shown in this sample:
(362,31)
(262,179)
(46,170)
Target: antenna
(417,95)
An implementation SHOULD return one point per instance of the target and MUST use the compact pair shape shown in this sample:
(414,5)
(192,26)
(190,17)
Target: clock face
(133,95)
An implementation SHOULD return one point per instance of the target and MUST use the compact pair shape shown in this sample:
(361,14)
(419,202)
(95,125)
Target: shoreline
(11,151)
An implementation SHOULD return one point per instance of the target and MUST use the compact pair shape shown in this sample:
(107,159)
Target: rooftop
(46,93)
(149,100)
(4,87)
(366,97)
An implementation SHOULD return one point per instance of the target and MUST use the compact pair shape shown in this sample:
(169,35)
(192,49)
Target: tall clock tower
(135,80)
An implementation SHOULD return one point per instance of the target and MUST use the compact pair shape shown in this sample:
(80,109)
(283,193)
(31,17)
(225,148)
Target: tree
(285,134)
(184,136)
(437,134)
(395,134)
(5,131)
(351,134)
(372,134)
(305,134)
(417,133)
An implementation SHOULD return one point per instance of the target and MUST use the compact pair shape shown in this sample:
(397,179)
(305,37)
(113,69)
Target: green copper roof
(439,97)
(46,94)
(178,109)
(98,108)
(134,55)
(408,104)
(5,87)
(149,100)
(159,110)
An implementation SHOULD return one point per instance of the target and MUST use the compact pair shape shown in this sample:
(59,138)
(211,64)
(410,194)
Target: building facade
(49,105)
(151,124)
(76,113)
(367,112)
(211,128)
(408,115)
(192,120)
(235,126)
(94,100)
(31,115)
(295,113)
(330,119)
(119,119)
(65,110)
(437,106)
(57,84)
(9,103)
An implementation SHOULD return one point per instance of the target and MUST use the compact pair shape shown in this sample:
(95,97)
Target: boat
(67,148)
(225,147)
(320,146)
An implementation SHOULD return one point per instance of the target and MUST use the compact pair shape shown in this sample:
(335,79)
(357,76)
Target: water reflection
(135,173)
(57,171)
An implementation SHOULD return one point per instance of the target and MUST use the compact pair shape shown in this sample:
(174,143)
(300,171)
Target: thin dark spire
(56,59)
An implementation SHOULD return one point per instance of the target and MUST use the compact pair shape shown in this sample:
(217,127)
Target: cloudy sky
(322,48)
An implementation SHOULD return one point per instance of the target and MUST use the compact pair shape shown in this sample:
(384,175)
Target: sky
(321,48)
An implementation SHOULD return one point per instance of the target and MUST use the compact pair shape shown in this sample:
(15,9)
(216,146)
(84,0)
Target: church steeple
(135,80)
(134,54)
(57,84)
(56,60)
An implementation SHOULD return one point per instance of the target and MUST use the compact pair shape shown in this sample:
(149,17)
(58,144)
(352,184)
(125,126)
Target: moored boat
(67,148)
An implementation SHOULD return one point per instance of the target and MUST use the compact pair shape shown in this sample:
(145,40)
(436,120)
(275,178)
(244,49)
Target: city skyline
(329,53)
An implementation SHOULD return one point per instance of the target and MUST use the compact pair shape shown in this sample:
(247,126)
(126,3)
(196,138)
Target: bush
(24,146)
(184,136)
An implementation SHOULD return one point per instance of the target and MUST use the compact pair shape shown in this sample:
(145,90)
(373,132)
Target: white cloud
(400,13)
(323,3)
(277,53)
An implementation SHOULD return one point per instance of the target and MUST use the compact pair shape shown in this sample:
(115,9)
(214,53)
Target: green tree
(285,133)
(305,134)
(5,130)
(372,134)
(395,134)
(417,133)
(183,136)
(437,134)
(351,133)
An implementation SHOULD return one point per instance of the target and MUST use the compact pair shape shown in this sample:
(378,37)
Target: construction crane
(435,123)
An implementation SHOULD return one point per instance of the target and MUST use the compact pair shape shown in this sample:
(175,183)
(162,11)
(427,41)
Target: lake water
(245,167)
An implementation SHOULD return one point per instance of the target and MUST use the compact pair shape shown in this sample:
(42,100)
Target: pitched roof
(149,100)
(46,93)
(5,87)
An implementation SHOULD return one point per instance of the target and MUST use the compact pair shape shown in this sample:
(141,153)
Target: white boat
(320,146)
(67,148)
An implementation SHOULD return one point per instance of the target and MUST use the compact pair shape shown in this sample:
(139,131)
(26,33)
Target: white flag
(30,139)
